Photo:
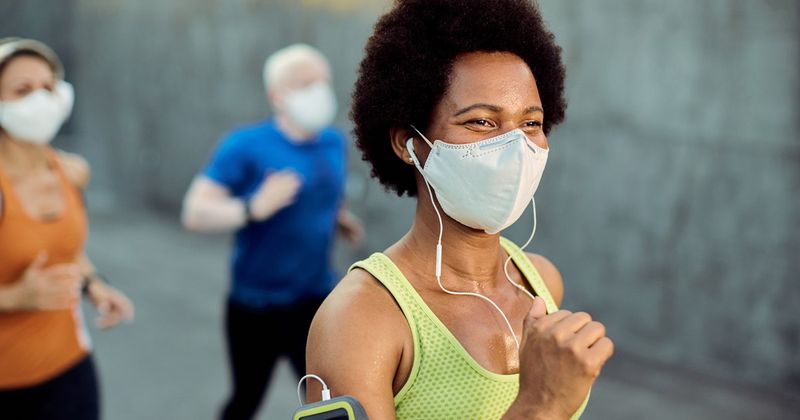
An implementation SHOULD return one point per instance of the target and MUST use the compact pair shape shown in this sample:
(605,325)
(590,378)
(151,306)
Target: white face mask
(312,108)
(37,117)
(487,184)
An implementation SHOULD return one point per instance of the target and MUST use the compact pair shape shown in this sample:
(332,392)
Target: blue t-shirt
(285,258)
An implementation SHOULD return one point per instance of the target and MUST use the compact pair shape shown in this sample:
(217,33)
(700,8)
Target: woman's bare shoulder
(356,342)
(550,275)
(358,301)
(75,167)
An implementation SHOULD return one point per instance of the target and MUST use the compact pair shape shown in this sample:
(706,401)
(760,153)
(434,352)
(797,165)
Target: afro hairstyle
(409,58)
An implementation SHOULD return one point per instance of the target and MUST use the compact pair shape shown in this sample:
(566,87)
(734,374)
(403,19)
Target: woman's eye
(480,122)
(533,124)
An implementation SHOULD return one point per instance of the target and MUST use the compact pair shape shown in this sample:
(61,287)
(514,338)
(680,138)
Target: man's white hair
(281,62)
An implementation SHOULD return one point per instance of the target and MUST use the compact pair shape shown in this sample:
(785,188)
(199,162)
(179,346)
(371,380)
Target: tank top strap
(530,273)
(380,267)
(4,182)
(383,269)
(71,191)
(8,199)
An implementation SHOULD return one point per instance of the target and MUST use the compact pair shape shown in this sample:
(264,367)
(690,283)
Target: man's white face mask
(38,116)
(312,108)
(487,184)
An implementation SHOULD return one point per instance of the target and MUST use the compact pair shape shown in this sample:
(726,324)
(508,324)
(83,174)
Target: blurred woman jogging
(46,368)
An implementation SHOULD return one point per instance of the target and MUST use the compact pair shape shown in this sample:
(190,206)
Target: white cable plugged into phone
(326,393)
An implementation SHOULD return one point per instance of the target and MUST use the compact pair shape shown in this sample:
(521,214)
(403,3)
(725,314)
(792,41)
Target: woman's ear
(399,137)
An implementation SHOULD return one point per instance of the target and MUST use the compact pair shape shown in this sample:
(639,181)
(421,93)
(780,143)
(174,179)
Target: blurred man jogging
(278,184)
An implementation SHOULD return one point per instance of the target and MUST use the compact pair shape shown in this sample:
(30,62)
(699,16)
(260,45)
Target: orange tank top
(36,346)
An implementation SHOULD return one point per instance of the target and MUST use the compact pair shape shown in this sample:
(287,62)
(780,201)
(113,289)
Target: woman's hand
(43,288)
(112,306)
(560,358)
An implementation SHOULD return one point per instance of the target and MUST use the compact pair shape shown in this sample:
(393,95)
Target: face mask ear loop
(66,95)
(530,238)
(410,147)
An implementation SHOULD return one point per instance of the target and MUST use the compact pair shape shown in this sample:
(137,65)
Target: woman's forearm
(85,265)
(13,295)
(520,410)
(8,298)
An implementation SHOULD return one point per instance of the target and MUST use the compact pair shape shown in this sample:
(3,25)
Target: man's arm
(350,226)
(209,207)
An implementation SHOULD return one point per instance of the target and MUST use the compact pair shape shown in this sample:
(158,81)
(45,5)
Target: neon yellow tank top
(445,381)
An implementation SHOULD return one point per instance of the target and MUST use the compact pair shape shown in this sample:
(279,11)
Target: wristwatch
(89,278)
(248,211)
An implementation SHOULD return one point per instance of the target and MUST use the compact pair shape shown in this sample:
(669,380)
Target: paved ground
(170,363)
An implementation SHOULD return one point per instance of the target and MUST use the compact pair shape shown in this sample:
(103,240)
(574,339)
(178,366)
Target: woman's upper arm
(76,168)
(354,344)
(550,275)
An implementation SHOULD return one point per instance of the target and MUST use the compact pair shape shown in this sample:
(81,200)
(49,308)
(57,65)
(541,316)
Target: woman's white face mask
(38,116)
(484,185)
(487,184)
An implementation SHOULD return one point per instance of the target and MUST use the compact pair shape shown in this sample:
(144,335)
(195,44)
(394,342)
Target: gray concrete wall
(670,199)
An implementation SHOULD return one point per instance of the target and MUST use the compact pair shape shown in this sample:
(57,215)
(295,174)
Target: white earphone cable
(439,270)
(530,238)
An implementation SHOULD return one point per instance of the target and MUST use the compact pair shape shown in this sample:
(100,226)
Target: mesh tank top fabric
(445,381)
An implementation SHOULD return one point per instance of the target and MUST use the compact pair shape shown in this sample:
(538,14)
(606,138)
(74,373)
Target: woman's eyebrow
(22,80)
(493,108)
(534,108)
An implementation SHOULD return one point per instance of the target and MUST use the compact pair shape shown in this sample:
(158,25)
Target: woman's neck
(471,259)
(22,156)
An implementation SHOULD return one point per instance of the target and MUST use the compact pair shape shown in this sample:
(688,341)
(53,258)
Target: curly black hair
(409,58)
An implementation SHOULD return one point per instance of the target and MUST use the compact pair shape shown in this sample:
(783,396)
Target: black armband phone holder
(339,408)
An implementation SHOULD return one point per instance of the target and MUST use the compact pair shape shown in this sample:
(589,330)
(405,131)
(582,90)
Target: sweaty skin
(360,342)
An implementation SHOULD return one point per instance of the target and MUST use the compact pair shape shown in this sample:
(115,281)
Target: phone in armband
(339,408)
